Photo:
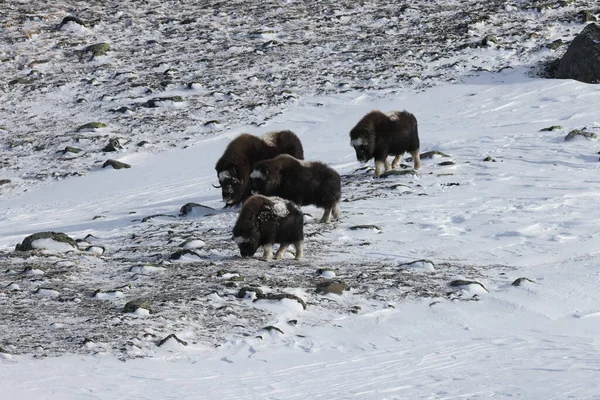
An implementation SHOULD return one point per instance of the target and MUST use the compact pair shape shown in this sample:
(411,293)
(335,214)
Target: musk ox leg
(281,250)
(416,158)
(268,252)
(378,168)
(298,246)
(388,166)
(326,214)
(397,161)
(336,211)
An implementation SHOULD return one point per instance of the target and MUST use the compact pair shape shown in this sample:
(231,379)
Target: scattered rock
(489,158)
(461,282)
(70,149)
(5,181)
(153,103)
(582,133)
(488,40)
(271,328)
(70,18)
(98,49)
(29,242)
(91,126)
(281,296)
(246,290)
(332,287)
(182,253)
(520,281)
(195,209)
(174,337)
(582,59)
(551,128)
(115,164)
(122,110)
(113,145)
(445,163)
(431,154)
(357,227)
(355,309)
(133,305)
(555,45)
(149,217)
(398,172)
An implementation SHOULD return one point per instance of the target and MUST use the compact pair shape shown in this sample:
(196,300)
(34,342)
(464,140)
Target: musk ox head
(247,239)
(364,146)
(232,187)
(263,179)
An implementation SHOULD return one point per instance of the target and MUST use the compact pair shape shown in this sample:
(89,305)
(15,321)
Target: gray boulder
(582,59)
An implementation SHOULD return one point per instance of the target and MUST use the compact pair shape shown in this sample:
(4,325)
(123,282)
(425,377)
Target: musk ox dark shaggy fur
(236,163)
(378,135)
(264,221)
(303,182)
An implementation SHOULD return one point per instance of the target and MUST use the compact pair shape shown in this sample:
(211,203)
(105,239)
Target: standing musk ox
(236,163)
(264,221)
(304,183)
(378,135)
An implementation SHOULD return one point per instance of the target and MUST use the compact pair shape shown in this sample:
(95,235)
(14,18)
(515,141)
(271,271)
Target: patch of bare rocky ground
(231,62)
(51,304)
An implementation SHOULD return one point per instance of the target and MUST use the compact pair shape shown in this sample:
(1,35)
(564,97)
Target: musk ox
(264,221)
(304,183)
(236,163)
(378,135)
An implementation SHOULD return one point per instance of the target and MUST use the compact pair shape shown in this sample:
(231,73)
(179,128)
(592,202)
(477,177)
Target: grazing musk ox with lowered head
(304,183)
(264,221)
(378,135)
(235,165)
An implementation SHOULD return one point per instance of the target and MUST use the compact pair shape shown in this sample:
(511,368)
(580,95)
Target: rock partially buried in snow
(135,305)
(282,296)
(424,265)
(91,126)
(54,241)
(522,281)
(471,286)
(47,292)
(172,342)
(185,255)
(163,102)
(193,244)
(583,133)
(115,164)
(195,210)
(326,272)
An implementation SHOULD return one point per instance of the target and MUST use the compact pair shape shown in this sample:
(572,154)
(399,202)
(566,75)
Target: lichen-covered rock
(332,287)
(70,149)
(580,133)
(91,126)
(98,49)
(582,59)
(115,164)
(133,305)
(551,128)
(488,40)
(29,242)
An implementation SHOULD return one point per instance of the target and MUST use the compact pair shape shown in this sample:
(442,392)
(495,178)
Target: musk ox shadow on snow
(378,135)
(303,182)
(236,163)
(264,221)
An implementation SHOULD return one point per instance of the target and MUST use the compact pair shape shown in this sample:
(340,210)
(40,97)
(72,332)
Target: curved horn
(216,186)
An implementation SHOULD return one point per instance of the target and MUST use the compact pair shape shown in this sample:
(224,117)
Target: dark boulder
(582,59)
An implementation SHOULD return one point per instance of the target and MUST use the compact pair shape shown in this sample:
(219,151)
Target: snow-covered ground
(530,213)
(475,277)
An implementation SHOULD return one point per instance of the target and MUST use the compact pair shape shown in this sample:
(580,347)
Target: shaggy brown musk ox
(303,182)
(264,221)
(378,135)
(236,163)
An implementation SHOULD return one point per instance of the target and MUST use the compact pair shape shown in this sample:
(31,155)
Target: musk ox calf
(264,221)
(236,163)
(304,183)
(378,135)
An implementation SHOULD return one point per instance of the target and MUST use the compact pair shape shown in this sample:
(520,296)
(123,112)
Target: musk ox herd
(269,178)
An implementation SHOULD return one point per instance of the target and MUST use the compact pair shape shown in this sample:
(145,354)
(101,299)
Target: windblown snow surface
(429,257)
